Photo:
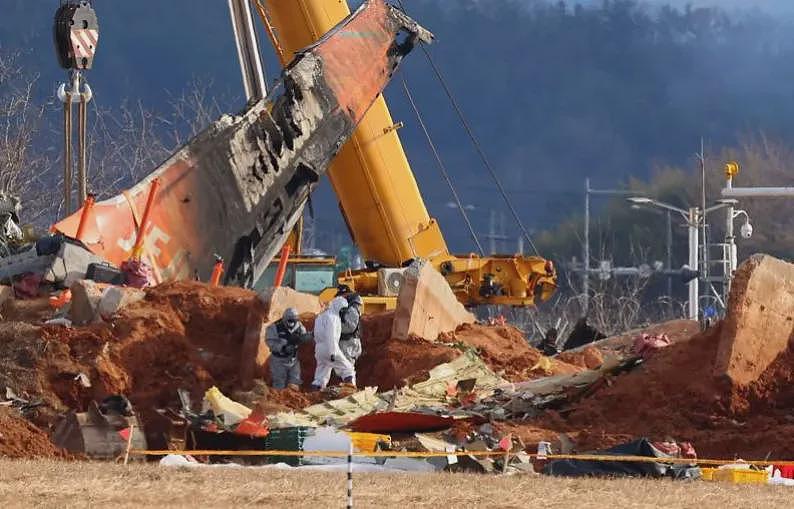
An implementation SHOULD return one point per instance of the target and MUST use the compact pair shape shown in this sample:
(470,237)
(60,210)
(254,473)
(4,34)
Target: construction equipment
(380,199)
(76,35)
(239,187)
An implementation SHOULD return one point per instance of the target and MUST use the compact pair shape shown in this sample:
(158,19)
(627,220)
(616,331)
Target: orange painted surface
(282,265)
(371,176)
(171,235)
(348,57)
(196,211)
(140,238)
(84,213)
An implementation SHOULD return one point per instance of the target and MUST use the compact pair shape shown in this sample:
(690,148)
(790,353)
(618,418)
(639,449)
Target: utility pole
(706,266)
(496,233)
(731,193)
(492,233)
(693,222)
(586,272)
(669,245)
(248,50)
(695,217)
(586,248)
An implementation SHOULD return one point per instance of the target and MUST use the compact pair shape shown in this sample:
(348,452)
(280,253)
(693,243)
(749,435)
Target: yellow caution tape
(324,454)
(476,454)
(648,459)
(411,454)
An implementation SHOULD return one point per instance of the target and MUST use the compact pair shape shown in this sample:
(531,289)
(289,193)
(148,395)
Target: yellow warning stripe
(410,454)
(324,454)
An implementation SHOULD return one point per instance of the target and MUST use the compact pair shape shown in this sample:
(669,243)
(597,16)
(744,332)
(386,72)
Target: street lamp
(692,218)
(746,232)
(642,200)
(695,217)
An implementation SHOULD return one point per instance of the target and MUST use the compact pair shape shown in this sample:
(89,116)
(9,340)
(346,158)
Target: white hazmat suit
(327,331)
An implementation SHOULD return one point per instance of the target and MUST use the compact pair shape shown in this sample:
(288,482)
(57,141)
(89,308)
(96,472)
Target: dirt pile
(760,320)
(271,401)
(182,335)
(620,345)
(388,362)
(505,350)
(21,439)
(588,358)
(728,390)
(675,394)
(189,335)
(385,362)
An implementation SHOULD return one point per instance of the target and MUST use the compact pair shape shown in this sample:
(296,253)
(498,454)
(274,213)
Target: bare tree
(128,143)
(125,143)
(22,166)
(616,305)
(192,111)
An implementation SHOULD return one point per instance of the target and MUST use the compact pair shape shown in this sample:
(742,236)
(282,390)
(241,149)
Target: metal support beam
(758,192)
(669,245)
(585,274)
(694,244)
(248,50)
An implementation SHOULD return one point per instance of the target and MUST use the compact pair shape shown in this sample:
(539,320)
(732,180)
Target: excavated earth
(189,335)
(19,438)
(675,395)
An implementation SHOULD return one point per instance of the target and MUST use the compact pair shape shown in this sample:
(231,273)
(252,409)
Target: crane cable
(475,142)
(442,168)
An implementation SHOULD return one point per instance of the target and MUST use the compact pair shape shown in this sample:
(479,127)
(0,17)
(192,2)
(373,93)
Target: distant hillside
(556,92)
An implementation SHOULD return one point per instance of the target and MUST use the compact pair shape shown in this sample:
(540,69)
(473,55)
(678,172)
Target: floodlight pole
(693,222)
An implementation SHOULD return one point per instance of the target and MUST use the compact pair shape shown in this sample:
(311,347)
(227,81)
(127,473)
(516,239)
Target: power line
(442,168)
(475,142)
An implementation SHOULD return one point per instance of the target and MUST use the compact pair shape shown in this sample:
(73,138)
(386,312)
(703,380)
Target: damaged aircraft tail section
(238,188)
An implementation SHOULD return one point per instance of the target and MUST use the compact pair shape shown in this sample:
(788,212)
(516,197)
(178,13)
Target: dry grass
(54,484)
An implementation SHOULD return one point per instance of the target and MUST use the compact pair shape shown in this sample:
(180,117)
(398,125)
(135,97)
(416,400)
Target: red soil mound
(21,439)
(506,351)
(385,363)
(674,394)
(589,358)
(182,335)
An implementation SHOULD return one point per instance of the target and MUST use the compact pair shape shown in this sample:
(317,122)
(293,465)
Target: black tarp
(642,447)
(582,334)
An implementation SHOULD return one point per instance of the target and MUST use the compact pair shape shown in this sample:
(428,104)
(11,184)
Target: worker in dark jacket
(350,340)
(549,344)
(283,338)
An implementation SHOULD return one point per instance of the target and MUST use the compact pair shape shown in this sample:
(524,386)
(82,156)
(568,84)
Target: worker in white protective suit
(327,353)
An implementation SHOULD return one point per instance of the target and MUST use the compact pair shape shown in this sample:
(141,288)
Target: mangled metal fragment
(102,432)
(239,187)
(428,397)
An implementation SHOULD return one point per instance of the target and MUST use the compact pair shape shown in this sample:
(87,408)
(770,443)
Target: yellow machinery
(379,196)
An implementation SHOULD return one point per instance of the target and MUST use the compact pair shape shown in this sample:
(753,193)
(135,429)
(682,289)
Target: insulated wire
(442,168)
(475,142)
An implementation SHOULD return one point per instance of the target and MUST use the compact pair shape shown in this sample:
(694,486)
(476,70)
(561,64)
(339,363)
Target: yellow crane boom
(378,194)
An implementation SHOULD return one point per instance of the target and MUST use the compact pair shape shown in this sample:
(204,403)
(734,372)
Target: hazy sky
(766,5)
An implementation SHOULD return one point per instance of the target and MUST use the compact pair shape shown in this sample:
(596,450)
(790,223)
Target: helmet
(290,316)
(354,299)
(342,290)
